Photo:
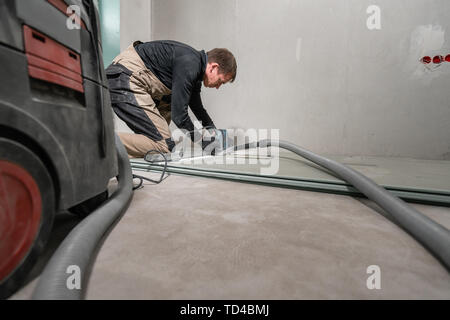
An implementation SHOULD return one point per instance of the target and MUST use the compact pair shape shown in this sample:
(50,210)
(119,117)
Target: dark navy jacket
(181,68)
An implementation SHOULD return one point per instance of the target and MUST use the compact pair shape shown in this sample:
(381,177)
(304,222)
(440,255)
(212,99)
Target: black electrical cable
(141,178)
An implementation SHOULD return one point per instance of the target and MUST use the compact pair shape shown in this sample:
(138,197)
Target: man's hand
(201,134)
(209,146)
(208,138)
(211,131)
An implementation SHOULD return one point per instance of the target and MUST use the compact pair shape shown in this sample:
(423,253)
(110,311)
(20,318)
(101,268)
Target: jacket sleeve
(197,108)
(182,85)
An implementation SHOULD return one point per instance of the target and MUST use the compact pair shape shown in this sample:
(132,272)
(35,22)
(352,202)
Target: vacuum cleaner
(57,143)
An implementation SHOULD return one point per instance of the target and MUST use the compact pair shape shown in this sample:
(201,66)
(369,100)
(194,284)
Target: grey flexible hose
(433,236)
(79,249)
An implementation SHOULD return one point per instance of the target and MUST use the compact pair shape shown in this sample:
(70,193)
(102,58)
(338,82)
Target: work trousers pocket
(119,83)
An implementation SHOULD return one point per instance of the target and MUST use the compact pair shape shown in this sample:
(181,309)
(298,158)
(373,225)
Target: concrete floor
(200,238)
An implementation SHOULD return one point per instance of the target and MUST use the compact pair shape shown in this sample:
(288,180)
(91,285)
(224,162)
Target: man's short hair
(225,59)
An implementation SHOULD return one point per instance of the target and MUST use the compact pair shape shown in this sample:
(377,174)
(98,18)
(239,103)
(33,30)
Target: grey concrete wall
(135,24)
(135,21)
(314,70)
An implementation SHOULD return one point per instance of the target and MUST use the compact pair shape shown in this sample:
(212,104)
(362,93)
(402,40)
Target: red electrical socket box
(50,61)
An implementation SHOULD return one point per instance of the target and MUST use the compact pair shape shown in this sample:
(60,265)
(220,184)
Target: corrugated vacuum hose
(433,236)
(81,246)
(79,249)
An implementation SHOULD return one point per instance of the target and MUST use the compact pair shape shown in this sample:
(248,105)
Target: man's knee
(162,147)
(137,145)
(170,144)
(165,145)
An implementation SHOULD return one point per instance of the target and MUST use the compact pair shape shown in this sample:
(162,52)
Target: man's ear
(214,65)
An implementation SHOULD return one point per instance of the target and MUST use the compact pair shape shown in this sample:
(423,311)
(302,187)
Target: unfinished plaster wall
(315,70)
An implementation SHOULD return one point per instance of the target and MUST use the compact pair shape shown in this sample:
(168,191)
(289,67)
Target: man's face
(213,78)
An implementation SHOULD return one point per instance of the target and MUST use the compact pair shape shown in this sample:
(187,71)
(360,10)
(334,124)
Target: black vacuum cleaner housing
(57,147)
